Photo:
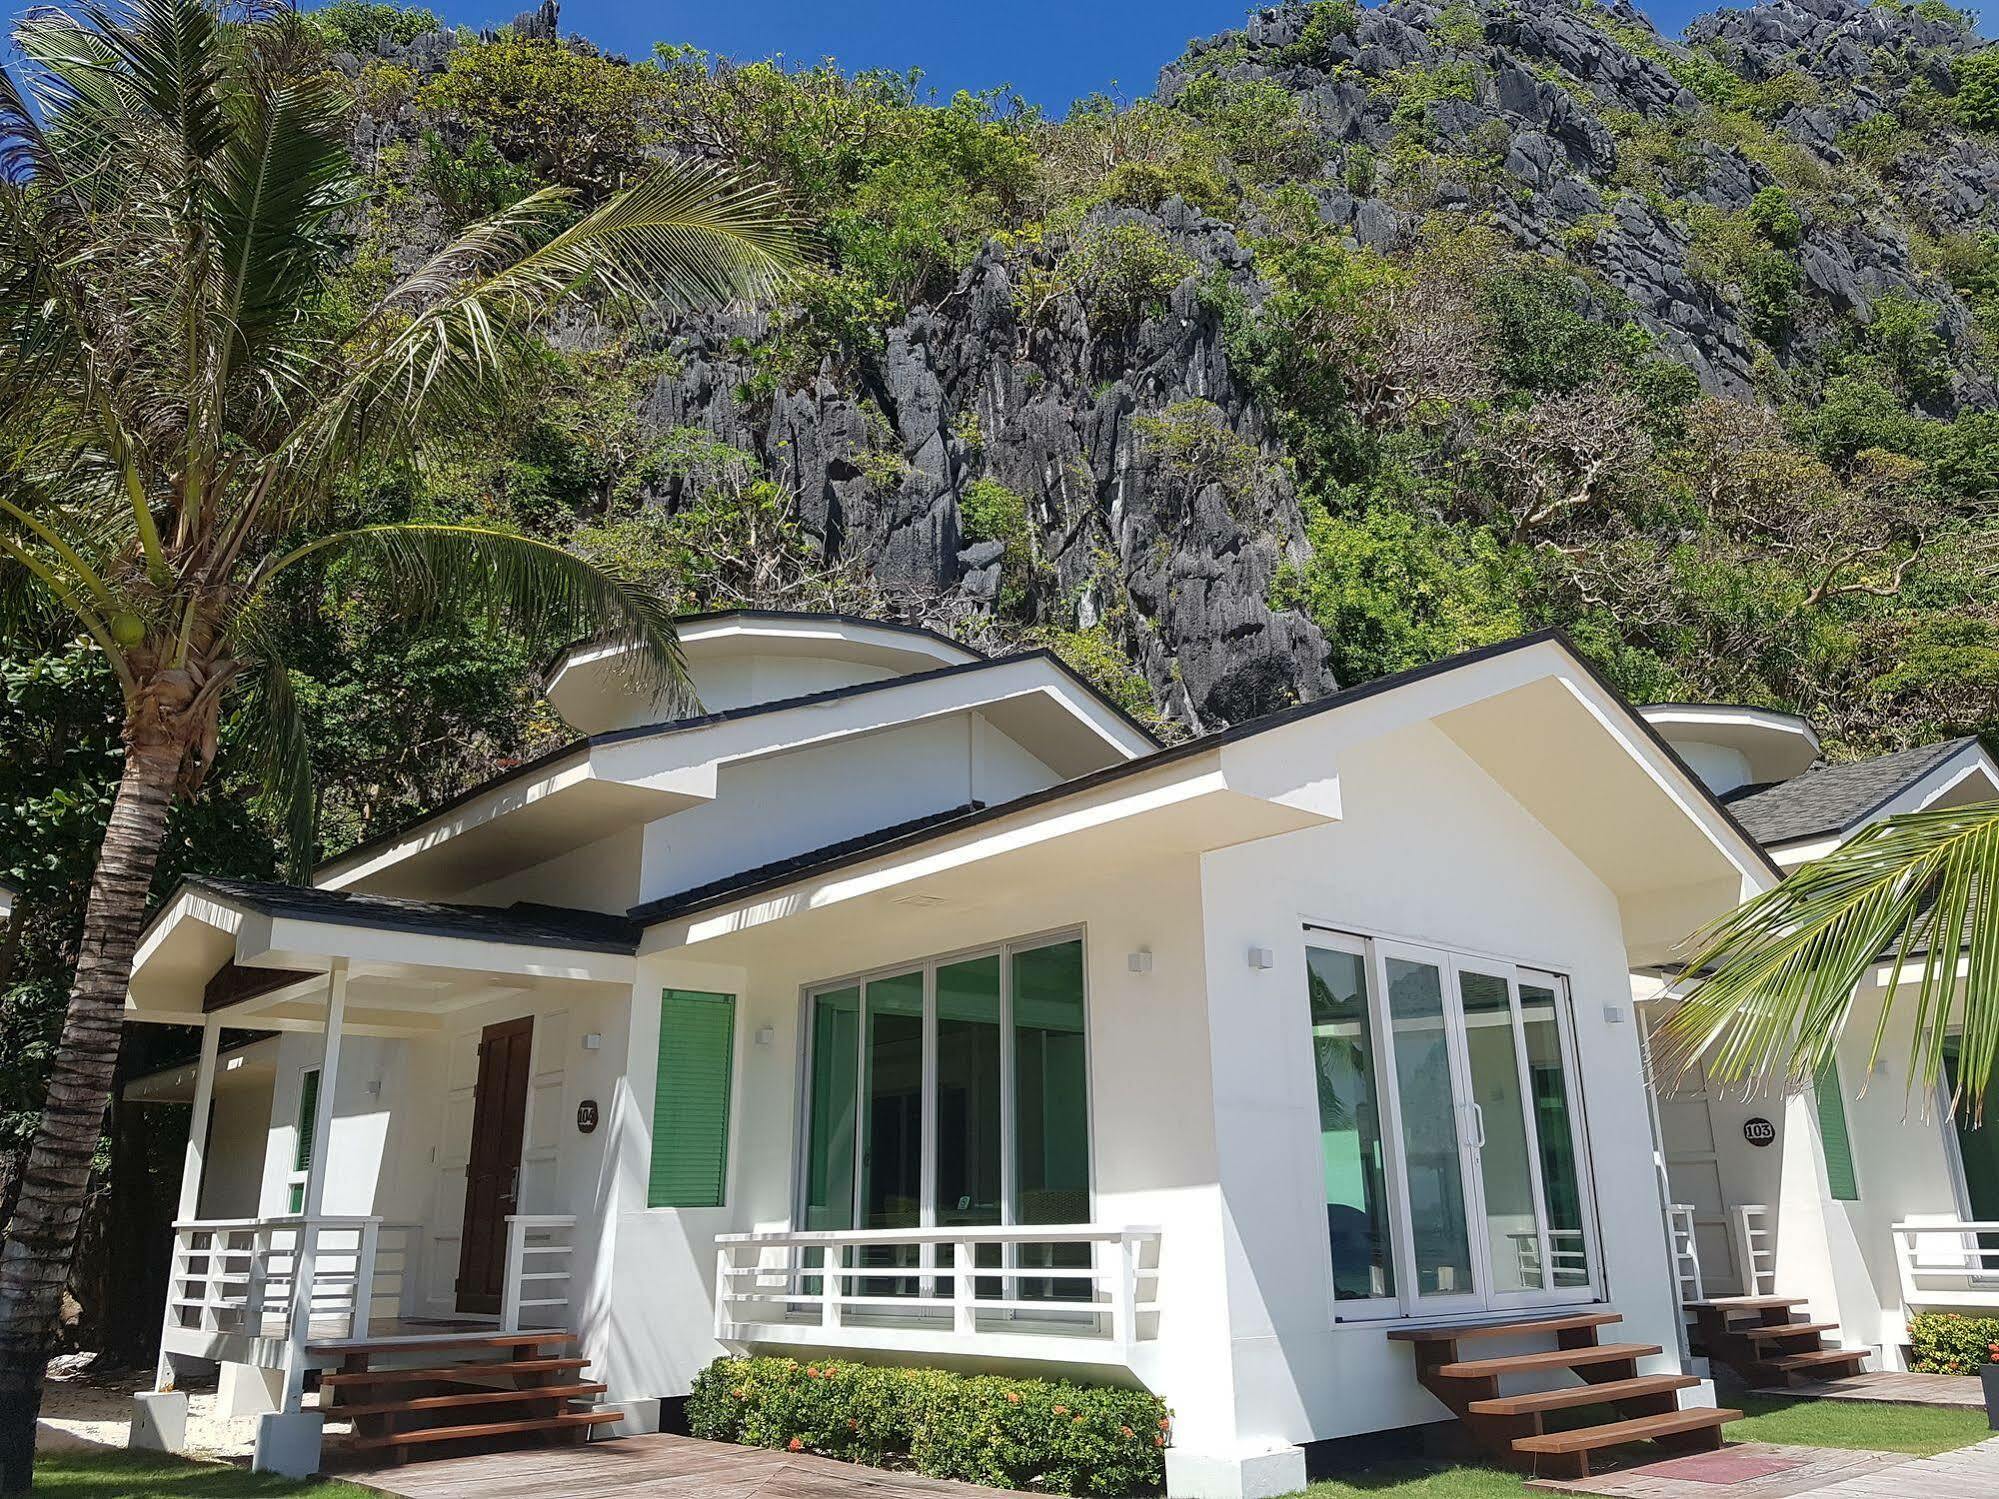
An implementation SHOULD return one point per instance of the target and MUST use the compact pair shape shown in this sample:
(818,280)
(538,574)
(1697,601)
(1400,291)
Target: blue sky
(1052,51)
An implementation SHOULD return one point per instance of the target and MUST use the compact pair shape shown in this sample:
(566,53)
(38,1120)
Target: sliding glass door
(1448,1112)
(951,1093)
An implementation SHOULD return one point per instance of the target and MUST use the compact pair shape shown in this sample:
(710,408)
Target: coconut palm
(184,376)
(1916,895)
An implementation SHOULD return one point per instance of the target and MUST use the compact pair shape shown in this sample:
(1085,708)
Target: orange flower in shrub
(1075,1420)
(853,1423)
(794,1445)
(1127,1431)
(1013,1397)
(1061,1410)
(810,1372)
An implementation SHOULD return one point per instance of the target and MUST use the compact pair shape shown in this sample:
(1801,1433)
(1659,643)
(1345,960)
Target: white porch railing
(240,1275)
(540,1248)
(1686,1252)
(1065,1293)
(1948,1262)
(1755,1248)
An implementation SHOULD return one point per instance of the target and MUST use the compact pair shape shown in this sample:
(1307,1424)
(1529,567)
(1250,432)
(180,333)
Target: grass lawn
(1421,1480)
(153,1475)
(1922,1429)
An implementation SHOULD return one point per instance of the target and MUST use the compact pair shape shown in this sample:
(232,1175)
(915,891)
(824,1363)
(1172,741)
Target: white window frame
(928,966)
(1406,1304)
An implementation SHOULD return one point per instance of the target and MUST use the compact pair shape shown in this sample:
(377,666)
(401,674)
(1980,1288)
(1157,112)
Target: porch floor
(652,1466)
(1894,1389)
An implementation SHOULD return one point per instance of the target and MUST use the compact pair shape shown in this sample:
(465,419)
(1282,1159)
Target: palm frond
(1913,899)
(271,726)
(528,583)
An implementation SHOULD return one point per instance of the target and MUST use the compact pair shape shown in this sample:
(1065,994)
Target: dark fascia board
(234,894)
(727,715)
(649,912)
(1955,747)
(816,616)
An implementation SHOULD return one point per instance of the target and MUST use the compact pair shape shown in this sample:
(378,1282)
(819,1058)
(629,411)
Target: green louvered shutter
(308,1108)
(690,1109)
(1832,1136)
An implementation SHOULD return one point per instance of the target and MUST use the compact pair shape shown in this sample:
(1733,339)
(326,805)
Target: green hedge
(1046,1435)
(1952,1343)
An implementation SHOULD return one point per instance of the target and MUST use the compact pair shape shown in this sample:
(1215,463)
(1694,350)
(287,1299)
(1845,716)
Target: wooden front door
(493,1174)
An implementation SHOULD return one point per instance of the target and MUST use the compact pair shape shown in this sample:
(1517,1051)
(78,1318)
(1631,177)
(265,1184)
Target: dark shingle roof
(523,923)
(1830,799)
(780,871)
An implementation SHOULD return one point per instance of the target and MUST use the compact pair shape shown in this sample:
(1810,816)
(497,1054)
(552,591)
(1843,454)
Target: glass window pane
(968,1091)
(1561,1180)
(1350,1145)
(892,1141)
(1051,1112)
(829,1154)
(1051,1098)
(1427,1095)
(1513,1230)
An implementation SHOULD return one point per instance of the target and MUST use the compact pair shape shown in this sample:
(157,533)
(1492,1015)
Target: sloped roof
(1829,799)
(524,923)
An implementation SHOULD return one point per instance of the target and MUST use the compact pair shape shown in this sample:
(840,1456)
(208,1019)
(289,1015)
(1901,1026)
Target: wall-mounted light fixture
(766,1034)
(1262,957)
(592,1040)
(1140,961)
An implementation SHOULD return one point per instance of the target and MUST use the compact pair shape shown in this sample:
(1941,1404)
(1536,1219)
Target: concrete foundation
(245,1390)
(159,1422)
(288,1445)
(1251,1475)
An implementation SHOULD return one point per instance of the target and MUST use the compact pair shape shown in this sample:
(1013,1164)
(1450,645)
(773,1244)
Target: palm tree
(180,388)
(1917,894)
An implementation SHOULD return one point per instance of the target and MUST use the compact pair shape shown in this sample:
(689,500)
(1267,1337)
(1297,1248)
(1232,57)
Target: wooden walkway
(1895,1389)
(1968,1473)
(653,1467)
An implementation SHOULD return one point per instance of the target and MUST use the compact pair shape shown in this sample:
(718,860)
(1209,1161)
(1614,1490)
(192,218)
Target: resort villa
(917,1007)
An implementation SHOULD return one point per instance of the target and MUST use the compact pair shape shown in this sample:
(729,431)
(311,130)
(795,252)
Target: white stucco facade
(1507,817)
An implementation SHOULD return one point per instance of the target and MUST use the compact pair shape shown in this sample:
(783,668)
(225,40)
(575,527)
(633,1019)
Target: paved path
(1896,1389)
(1741,1470)
(1968,1473)
(653,1467)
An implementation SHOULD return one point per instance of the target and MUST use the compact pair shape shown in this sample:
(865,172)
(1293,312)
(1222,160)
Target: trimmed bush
(1952,1343)
(1045,1435)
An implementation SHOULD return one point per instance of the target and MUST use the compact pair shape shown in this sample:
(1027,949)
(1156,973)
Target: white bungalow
(914,1006)
(1863,1196)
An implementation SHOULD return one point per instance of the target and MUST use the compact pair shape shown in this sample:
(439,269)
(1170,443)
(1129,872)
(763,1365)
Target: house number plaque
(1758,1131)
(586,1116)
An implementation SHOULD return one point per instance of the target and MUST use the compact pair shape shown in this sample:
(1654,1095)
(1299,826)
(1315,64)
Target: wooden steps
(1755,1337)
(1571,1396)
(1626,1406)
(577,1422)
(467,1403)
(453,1371)
(1697,1430)
(1553,1358)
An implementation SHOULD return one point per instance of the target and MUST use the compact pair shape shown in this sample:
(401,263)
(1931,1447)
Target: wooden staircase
(1755,1337)
(474,1392)
(1623,1405)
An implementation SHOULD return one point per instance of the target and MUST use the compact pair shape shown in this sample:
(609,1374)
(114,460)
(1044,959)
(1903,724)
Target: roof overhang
(254,1064)
(1531,714)
(200,956)
(617,780)
(1776,745)
(586,674)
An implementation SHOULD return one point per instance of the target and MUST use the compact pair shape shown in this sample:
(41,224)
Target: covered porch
(407,1189)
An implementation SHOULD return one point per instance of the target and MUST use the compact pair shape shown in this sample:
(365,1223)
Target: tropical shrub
(1951,1343)
(357,25)
(1976,103)
(1048,1435)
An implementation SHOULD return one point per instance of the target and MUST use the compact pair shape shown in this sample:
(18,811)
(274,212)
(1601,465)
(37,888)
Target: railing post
(829,1286)
(964,1313)
(363,1310)
(298,1331)
(1124,1291)
(722,1279)
(253,1290)
(510,1286)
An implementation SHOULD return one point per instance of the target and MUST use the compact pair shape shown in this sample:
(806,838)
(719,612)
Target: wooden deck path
(1968,1473)
(652,1467)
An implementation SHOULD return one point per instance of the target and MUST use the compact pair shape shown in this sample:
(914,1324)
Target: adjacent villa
(913,1006)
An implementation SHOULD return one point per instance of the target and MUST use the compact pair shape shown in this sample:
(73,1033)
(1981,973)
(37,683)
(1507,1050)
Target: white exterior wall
(232,1168)
(1433,851)
(808,798)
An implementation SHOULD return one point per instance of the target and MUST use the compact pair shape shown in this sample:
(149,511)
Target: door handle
(1478,1118)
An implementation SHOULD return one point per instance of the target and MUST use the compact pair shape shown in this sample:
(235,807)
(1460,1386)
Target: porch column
(305,1249)
(197,1124)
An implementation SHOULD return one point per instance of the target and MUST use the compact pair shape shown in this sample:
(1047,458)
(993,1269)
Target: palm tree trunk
(41,1238)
